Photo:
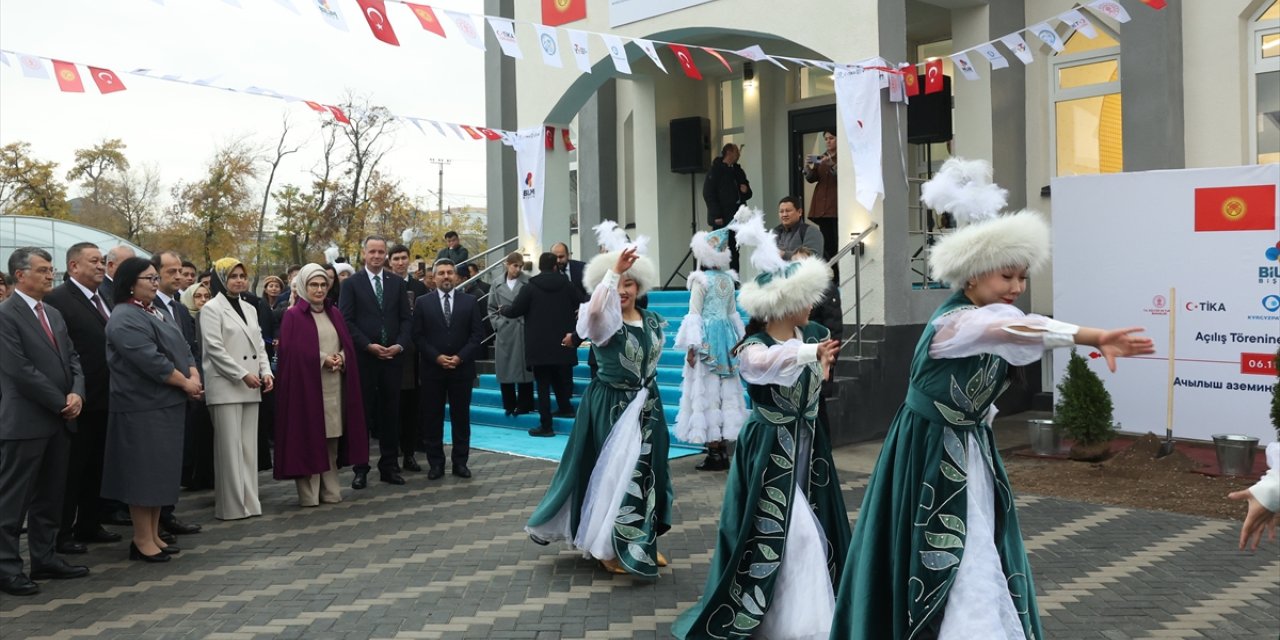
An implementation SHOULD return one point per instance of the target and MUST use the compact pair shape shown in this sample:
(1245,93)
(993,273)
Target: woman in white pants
(237,373)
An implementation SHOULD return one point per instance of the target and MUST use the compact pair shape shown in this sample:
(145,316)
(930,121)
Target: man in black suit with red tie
(447,329)
(375,305)
(86,315)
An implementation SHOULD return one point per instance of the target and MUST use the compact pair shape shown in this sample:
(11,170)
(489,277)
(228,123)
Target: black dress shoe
(391,477)
(180,528)
(435,473)
(60,571)
(136,554)
(19,585)
(70,547)
(410,464)
(98,535)
(542,432)
(171,550)
(360,481)
(120,518)
(461,471)
(168,538)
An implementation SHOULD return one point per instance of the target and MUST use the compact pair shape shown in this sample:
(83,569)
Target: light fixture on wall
(748,75)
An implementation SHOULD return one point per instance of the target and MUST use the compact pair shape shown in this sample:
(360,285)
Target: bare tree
(364,131)
(133,198)
(283,148)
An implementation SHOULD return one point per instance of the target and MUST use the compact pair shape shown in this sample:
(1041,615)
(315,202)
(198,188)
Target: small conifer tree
(1084,407)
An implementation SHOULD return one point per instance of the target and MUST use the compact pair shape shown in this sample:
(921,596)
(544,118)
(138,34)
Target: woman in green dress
(783,525)
(611,496)
(937,552)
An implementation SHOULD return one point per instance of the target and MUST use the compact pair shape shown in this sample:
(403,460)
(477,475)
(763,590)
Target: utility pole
(441,163)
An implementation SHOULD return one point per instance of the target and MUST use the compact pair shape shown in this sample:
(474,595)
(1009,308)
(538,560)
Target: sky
(176,127)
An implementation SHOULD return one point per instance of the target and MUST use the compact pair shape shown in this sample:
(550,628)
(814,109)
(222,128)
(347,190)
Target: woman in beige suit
(237,373)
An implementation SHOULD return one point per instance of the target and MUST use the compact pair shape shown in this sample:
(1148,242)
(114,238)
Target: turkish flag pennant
(568,146)
(1245,208)
(686,61)
(428,19)
(549,137)
(339,115)
(489,133)
(375,13)
(558,12)
(911,82)
(933,76)
(68,77)
(106,79)
(475,135)
(1155,4)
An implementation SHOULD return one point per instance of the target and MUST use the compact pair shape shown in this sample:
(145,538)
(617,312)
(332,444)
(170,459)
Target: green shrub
(1084,407)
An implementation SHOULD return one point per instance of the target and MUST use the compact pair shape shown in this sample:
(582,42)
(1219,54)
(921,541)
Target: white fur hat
(614,239)
(783,287)
(711,248)
(986,240)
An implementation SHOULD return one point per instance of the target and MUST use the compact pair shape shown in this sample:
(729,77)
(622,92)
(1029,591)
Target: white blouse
(999,329)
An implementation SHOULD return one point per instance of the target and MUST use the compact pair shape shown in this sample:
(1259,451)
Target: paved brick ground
(447,559)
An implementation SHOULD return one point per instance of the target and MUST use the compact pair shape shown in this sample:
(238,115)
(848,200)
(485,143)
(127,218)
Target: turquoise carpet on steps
(520,443)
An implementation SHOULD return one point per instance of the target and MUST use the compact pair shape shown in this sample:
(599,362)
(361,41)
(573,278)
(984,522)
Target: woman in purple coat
(319,413)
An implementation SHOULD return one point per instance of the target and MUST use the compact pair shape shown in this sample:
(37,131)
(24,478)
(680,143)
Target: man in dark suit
(86,316)
(375,305)
(447,331)
(41,395)
(568,267)
(113,259)
(410,419)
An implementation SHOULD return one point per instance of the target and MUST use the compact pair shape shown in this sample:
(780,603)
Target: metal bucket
(1045,436)
(1235,454)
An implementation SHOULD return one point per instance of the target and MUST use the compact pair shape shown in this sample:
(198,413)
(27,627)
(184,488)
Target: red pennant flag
(428,19)
(106,79)
(933,76)
(315,106)
(1246,208)
(686,61)
(1155,4)
(911,82)
(339,115)
(475,135)
(558,12)
(375,13)
(68,77)
(568,146)
(717,56)
(489,133)
(549,137)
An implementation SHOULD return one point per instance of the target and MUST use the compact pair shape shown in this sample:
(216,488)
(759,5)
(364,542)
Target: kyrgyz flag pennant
(68,77)
(568,146)
(933,76)
(375,13)
(910,80)
(475,135)
(1244,208)
(106,79)
(339,115)
(686,61)
(427,18)
(558,12)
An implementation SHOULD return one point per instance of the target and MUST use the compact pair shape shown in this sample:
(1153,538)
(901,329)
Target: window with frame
(1264,84)
(732,120)
(1087,133)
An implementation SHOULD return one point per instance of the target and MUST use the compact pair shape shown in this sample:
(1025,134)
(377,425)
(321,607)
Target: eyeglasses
(151,279)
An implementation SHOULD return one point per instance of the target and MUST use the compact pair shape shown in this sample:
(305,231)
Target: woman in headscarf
(237,373)
(317,362)
(197,470)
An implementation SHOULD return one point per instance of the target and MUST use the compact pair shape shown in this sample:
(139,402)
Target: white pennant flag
(617,51)
(4,59)
(858,99)
(756,54)
(1047,35)
(329,11)
(1077,21)
(457,131)
(531,160)
(989,52)
(896,90)
(1018,46)
(549,45)
(414,122)
(824,65)
(467,28)
(505,31)
(581,52)
(961,62)
(439,129)
(1111,9)
(288,4)
(33,67)
(647,48)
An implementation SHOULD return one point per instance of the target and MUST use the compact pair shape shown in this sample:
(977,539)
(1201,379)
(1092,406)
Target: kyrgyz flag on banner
(375,13)
(933,76)
(1244,208)
(568,145)
(531,161)
(910,80)
(106,79)
(858,100)
(686,61)
(558,12)
(68,77)
(427,18)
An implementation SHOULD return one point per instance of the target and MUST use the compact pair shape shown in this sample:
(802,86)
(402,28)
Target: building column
(500,111)
(1151,71)
(597,165)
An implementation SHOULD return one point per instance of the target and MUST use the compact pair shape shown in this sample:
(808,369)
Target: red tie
(97,302)
(44,322)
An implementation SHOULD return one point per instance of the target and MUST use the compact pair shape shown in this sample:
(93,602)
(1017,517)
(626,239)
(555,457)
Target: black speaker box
(690,145)
(929,115)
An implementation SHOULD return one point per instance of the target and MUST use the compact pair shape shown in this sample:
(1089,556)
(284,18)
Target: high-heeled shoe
(137,554)
(171,550)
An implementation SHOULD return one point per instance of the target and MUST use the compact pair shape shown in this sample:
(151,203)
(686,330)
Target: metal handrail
(857,284)
(486,252)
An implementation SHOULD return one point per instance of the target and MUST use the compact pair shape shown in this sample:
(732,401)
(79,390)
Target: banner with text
(531,160)
(1193,257)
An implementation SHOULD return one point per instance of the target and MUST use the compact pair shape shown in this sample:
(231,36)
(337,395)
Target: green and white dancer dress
(611,496)
(936,551)
(784,530)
